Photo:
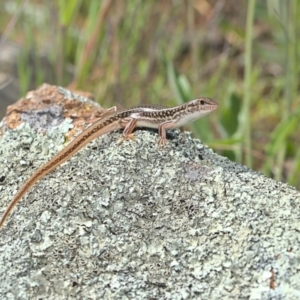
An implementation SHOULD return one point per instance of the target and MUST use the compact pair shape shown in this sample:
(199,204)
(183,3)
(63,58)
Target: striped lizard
(157,117)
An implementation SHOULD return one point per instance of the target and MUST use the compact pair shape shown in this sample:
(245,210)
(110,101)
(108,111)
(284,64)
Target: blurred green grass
(244,54)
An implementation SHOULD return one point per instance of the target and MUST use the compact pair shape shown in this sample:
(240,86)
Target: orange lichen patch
(81,110)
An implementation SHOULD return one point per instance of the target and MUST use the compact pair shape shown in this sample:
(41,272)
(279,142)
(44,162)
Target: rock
(137,222)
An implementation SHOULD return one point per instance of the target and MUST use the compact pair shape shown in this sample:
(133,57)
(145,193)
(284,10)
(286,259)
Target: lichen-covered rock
(135,222)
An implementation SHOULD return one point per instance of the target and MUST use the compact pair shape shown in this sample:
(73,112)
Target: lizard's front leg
(162,141)
(182,134)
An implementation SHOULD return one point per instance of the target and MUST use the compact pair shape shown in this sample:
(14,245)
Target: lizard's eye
(202,102)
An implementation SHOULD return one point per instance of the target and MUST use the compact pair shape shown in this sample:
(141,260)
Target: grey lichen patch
(22,150)
(137,222)
(70,95)
(45,118)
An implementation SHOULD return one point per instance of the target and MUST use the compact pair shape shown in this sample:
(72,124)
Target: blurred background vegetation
(244,54)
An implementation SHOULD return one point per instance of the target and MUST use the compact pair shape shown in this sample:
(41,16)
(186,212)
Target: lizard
(148,116)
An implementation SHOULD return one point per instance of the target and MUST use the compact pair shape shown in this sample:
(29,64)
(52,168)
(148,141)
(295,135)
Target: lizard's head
(196,109)
(205,105)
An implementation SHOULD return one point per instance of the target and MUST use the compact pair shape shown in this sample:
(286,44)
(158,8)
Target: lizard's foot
(182,139)
(123,138)
(162,143)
